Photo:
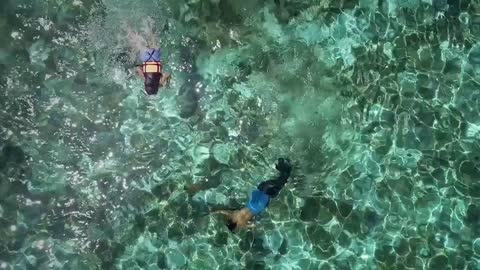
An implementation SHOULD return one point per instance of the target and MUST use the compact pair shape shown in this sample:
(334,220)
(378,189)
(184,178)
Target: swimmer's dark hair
(231,225)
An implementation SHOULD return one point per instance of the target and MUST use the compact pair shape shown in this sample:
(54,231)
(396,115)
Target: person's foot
(283,165)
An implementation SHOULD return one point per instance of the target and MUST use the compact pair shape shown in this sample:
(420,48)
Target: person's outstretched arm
(140,72)
(226,213)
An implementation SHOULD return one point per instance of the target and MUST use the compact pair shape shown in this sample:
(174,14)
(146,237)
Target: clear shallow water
(375,100)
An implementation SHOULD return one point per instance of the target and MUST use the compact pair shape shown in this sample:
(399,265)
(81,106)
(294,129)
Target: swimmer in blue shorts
(151,70)
(146,46)
(260,199)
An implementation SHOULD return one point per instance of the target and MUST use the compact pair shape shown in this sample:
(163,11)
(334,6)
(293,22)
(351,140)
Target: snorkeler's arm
(140,72)
(165,79)
(223,212)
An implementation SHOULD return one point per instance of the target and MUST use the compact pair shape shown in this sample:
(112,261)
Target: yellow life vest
(152,67)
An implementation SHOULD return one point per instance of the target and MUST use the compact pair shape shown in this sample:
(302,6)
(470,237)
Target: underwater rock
(474,56)
(472,217)
(252,242)
(310,210)
(215,198)
(163,190)
(273,239)
(200,153)
(344,209)
(319,236)
(407,81)
(372,219)
(439,5)
(223,152)
(385,254)
(469,173)
(221,239)
(402,160)
(283,249)
(175,258)
(251,263)
(39,52)
(204,260)
(400,245)
(476,246)
(13,154)
(438,262)
(107,252)
(12,171)
(176,232)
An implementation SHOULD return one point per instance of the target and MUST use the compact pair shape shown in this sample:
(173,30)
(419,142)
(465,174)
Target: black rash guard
(152,83)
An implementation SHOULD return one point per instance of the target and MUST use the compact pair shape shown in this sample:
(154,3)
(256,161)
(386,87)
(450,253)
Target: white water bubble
(45,23)
(40,244)
(16,35)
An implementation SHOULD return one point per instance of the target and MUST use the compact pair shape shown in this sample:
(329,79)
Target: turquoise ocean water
(376,101)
